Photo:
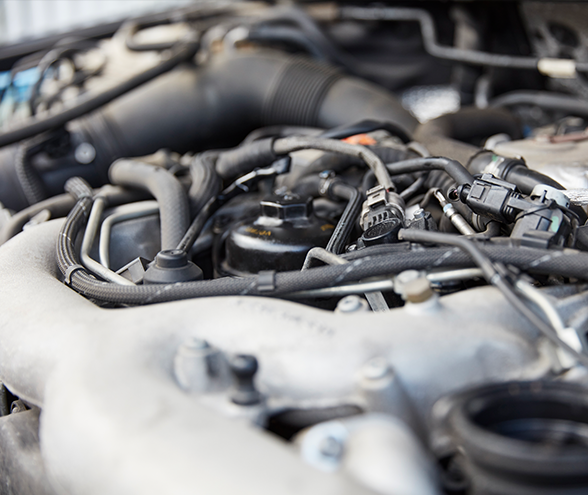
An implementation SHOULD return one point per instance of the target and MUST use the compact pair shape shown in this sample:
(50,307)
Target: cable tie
(266,281)
(70,271)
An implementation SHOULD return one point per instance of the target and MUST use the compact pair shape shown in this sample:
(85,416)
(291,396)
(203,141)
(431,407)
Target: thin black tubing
(316,186)
(198,224)
(452,167)
(345,224)
(538,260)
(543,99)
(287,145)
(414,187)
(432,46)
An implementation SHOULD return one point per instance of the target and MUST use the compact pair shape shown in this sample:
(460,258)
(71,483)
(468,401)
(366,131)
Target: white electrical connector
(557,68)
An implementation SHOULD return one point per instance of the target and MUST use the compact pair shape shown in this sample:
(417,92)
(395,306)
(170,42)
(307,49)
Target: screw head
(351,304)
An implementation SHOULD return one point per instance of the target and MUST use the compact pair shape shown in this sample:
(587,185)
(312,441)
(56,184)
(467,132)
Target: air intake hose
(217,105)
(220,103)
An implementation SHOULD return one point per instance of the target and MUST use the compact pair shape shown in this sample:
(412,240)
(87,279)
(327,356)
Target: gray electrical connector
(381,205)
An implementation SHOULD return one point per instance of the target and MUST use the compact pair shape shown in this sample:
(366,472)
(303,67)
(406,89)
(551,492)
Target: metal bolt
(418,291)
(352,304)
(413,286)
(420,213)
(376,368)
(326,174)
(331,447)
(85,153)
(404,278)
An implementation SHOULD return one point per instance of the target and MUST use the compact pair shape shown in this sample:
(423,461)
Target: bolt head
(351,304)
(331,447)
(85,153)
(418,290)
(376,368)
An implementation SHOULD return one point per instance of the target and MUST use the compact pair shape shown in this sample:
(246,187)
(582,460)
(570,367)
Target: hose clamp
(327,179)
(266,281)
(70,271)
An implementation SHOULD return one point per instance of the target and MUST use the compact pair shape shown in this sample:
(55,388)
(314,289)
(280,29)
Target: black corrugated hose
(373,263)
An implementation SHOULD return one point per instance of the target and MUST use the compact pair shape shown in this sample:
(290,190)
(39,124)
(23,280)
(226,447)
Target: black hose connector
(172,266)
(512,170)
(174,210)
(241,160)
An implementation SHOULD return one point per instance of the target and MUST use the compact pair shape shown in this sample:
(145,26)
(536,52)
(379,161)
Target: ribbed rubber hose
(174,209)
(565,263)
(224,100)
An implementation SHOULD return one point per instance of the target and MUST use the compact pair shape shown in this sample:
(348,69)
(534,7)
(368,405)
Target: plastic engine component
(279,238)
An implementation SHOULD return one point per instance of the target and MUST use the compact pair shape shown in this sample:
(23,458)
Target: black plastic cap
(172,266)
(243,369)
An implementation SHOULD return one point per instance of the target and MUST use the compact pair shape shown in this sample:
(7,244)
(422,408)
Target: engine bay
(298,248)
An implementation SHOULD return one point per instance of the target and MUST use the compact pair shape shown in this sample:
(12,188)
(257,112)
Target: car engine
(298,247)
